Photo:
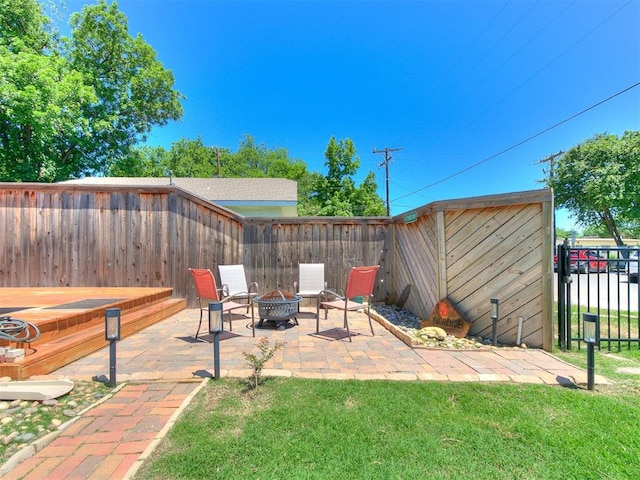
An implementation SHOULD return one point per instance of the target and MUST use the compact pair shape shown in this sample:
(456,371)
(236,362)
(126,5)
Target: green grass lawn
(319,429)
(611,364)
(613,324)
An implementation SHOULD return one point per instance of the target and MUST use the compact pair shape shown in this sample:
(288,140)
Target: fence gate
(603,281)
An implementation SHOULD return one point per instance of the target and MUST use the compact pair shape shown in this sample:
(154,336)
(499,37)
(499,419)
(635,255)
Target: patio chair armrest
(253,288)
(241,295)
(325,294)
(227,300)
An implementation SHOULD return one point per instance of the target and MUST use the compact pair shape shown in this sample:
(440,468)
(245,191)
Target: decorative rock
(398,317)
(434,332)
(446,316)
(30,420)
(523,345)
(25,437)
(7,439)
(405,323)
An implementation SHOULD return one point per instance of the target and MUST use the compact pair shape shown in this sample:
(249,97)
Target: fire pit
(279,307)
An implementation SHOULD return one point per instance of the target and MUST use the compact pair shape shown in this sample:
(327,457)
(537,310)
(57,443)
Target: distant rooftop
(213,189)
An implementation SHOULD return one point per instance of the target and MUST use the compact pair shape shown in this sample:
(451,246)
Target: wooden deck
(71,321)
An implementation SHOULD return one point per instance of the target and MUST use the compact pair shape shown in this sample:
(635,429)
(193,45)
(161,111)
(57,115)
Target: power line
(515,54)
(473,42)
(531,77)
(542,132)
(385,162)
(505,35)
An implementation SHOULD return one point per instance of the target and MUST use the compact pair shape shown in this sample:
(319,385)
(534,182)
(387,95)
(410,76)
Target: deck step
(66,347)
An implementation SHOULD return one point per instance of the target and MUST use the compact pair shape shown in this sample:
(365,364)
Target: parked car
(633,267)
(583,261)
(621,258)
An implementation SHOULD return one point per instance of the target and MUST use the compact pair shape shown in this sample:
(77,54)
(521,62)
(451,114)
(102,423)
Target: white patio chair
(234,284)
(310,280)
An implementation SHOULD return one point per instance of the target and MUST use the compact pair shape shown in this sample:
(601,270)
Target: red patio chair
(207,291)
(359,284)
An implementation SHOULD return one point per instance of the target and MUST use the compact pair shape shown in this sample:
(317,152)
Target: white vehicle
(633,267)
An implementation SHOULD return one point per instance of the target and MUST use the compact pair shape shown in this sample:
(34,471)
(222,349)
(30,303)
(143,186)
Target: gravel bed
(24,421)
(410,324)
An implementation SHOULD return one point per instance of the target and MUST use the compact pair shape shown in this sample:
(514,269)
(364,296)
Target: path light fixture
(112,333)
(590,334)
(215,328)
(494,320)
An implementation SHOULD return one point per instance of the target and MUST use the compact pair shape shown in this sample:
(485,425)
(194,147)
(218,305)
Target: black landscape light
(590,336)
(112,333)
(494,320)
(215,328)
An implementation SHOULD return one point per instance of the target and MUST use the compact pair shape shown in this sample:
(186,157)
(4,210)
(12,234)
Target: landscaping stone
(17,415)
(408,328)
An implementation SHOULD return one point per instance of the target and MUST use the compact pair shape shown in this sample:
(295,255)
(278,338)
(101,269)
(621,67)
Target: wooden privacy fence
(472,250)
(468,250)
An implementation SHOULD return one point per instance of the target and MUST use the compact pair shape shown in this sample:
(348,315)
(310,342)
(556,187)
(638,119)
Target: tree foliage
(336,194)
(71,106)
(598,181)
(333,194)
(192,158)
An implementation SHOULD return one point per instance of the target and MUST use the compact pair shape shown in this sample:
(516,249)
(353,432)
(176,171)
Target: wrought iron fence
(603,281)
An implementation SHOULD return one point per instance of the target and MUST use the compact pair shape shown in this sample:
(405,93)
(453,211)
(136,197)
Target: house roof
(213,189)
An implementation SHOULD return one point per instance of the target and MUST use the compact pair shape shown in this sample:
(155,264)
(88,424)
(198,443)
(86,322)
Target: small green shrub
(257,362)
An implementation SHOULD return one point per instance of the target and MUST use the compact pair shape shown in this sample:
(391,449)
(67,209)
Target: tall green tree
(69,107)
(336,194)
(145,161)
(598,181)
(191,158)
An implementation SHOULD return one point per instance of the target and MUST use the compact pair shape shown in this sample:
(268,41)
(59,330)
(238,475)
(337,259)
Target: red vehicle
(583,261)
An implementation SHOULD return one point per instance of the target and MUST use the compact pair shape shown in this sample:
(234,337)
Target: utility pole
(385,162)
(550,159)
(217,153)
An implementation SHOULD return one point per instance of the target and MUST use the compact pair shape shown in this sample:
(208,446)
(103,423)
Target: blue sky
(452,83)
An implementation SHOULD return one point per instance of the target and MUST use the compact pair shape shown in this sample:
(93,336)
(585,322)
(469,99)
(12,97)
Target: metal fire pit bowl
(278,307)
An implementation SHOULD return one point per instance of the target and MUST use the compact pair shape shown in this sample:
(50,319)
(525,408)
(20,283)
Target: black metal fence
(603,281)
